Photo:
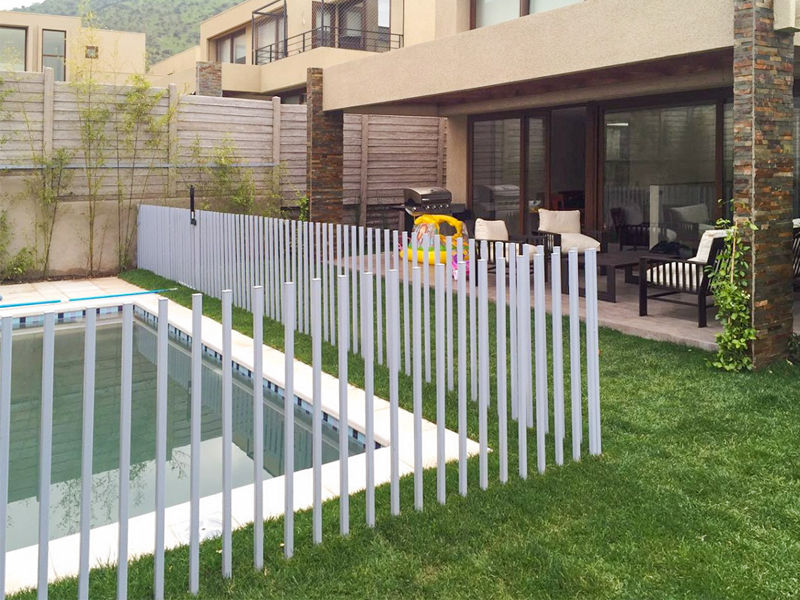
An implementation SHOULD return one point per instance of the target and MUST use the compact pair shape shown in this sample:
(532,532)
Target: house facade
(651,113)
(262,49)
(29,42)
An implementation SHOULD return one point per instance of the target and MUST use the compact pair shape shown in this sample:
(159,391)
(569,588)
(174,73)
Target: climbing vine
(731,288)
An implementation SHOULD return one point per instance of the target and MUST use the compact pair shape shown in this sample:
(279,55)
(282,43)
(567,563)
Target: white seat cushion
(491,230)
(560,221)
(578,241)
(795,223)
(706,241)
(693,213)
(680,275)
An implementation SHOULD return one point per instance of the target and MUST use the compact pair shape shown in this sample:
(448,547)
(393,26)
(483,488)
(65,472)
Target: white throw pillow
(491,230)
(705,245)
(560,221)
(578,241)
(693,213)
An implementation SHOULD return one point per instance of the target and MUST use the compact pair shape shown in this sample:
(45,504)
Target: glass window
(495,171)
(660,170)
(54,52)
(12,48)
(384,13)
(490,12)
(537,6)
(224,50)
(269,34)
(240,49)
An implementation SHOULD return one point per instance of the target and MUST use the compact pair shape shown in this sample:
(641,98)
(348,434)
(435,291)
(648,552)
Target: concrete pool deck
(22,563)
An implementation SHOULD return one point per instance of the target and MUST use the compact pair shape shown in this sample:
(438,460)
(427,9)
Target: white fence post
(592,353)
(523,356)
(575,356)
(227,434)
(195,434)
(316,422)
(448,269)
(500,326)
(257,295)
(426,304)
(512,319)
(462,375)
(393,348)
(45,451)
(126,391)
(162,381)
(5,429)
(86,452)
(417,388)
(344,331)
(483,369)
(441,491)
(288,419)
(473,324)
(369,395)
(558,355)
(540,359)
(406,322)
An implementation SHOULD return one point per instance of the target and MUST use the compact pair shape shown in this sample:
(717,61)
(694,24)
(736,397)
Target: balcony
(381,40)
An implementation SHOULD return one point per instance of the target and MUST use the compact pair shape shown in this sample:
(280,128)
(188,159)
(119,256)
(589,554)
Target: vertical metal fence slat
(334,253)
(257,296)
(473,325)
(406,307)
(417,388)
(86,451)
(325,246)
(195,437)
(316,396)
(344,452)
(512,319)
(354,271)
(5,429)
(448,269)
(125,418)
(592,353)
(162,381)
(575,356)
(227,434)
(483,369)
(369,392)
(307,257)
(500,334)
(558,355)
(45,451)
(386,267)
(439,290)
(462,375)
(540,358)
(378,296)
(523,357)
(426,304)
(393,325)
(288,419)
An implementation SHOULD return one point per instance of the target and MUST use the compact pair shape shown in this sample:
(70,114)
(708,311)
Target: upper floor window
(54,52)
(232,48)
(270,37)
(536,6)
(13,45)
(491,12)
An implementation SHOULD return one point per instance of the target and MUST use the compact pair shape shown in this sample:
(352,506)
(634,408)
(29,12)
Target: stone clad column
(763,71)
(208,79)
(325,155)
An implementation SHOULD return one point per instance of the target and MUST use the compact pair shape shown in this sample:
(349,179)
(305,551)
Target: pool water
(67,414)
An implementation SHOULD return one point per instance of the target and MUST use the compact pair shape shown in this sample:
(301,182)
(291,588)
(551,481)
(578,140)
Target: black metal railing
(329,37)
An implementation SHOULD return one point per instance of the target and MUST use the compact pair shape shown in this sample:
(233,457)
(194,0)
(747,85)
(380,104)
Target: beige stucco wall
(591,35)
(290,72)
(427,20)
(121,53)
(457,153)
(179,69)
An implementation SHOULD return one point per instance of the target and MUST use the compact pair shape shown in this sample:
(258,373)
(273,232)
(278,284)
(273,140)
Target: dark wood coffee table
(607,265)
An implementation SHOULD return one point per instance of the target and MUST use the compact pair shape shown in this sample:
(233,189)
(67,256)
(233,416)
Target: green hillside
(171,25)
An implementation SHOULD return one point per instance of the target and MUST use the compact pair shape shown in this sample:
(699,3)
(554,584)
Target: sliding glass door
(496,171)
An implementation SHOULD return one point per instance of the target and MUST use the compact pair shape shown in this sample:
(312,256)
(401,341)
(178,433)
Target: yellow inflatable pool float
(437,228)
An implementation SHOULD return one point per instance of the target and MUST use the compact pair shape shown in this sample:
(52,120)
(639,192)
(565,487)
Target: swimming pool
(67,409)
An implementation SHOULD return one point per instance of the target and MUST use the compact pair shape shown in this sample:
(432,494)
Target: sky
(11,4)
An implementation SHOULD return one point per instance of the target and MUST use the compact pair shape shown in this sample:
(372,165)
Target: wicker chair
(670,276)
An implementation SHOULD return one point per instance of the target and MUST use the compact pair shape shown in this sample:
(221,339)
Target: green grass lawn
(697,495)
